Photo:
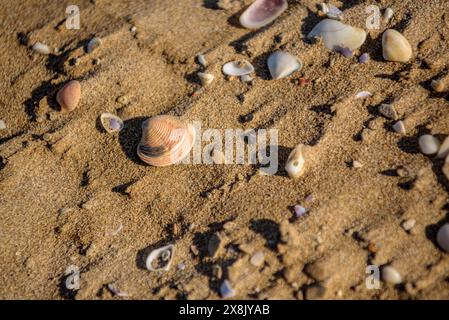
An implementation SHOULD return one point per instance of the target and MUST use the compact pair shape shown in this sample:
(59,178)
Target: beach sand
(73,197)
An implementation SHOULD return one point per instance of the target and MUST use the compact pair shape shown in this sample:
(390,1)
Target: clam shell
(69,95)
(336,34)
(262,12)
(282,64)
(443,237)
(238,68)
(295,162)
(165,257)
(395,47)
(111,123)
(165,140)
(391,275)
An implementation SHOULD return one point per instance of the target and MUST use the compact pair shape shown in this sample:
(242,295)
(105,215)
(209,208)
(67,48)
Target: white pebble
(391,275)
(428,144)
(356,164)
(443,237)
(41,48)
(399,127)
(408,224)
(257,259)
(2,125)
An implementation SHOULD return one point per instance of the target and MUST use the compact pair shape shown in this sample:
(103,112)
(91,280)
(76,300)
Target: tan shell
(69,95)
(165,140)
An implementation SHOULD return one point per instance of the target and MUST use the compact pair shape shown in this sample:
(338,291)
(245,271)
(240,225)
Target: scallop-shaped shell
(165,140)
(160,259)
(237,68)
(262,12)
(111,123)
(395,47)
(282,64)
(336,34)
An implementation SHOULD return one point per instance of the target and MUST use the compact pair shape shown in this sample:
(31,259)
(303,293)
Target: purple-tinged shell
(364,58)
(262,12)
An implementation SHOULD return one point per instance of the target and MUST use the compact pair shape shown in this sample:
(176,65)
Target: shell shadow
(129,138)
(211,4)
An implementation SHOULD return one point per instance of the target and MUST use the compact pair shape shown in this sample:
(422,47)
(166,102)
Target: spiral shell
(165,140)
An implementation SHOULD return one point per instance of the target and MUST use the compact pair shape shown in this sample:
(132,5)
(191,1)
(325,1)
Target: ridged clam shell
(262,12)
(111,123)
(165,140)
(282,64)
(69,95)
(237,68)
(336,34)
(395,47)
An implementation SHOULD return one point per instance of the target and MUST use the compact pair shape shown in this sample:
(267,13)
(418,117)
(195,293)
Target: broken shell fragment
(395,47)
(443,237)
(364,58)
(111,123)
(282,64)
(428,144)
(295,162)
(331,11)
(388,111)
(336,34)
(202,60)
(262,12)
(69,95)
(93,44)
(205,78)
(238,68)
(165,140)
(41,48)
(363,94)
(160,259)
(399,127)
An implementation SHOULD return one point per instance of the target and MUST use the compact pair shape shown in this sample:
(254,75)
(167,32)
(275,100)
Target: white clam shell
(443,237)
(238,68)
(391,275)
(295,162)
(164,255)
(444,149)
(282,64)
(336,34)
(395,47)
(111,123)
(428,144)
(262,12)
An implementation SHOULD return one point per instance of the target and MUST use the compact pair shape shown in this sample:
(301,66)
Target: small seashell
(299,211)
(202,60)
(443,237)
(444,149)
(93,44)
(408,224)
(391,275)
(395,47)
(206,78)
(438,85)
(257,259)
(331,11)
(246,78)
(388,14)
(364,58)
(428,144)
(111,123)
(69,95)
(165,140)
(2,125)
(336,34)
(262,12)
(238,68)
(282,64)
(399,127)
(162,257)
(226,290)
(295,162)
(117,292)
(363,94)
(388,111)
(41,48)
(345,52)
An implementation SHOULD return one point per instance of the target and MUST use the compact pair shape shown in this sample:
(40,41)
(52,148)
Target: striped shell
(165,140)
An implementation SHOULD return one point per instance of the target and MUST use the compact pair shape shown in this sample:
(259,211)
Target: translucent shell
(262,12)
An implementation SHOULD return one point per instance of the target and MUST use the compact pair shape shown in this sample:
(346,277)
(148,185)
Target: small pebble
(69,95)
(399,127)
(408,224)
(303,81)
(388,111)
(388,14)
(93,44)
(309,198)
(41,48)
(391,275)
(428,144)
(257,259)
(356,164)
(2,125)
(364,58)
(346,52)
(133,29)
(299,211)
(443,237)
(226,290)
(438,85)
